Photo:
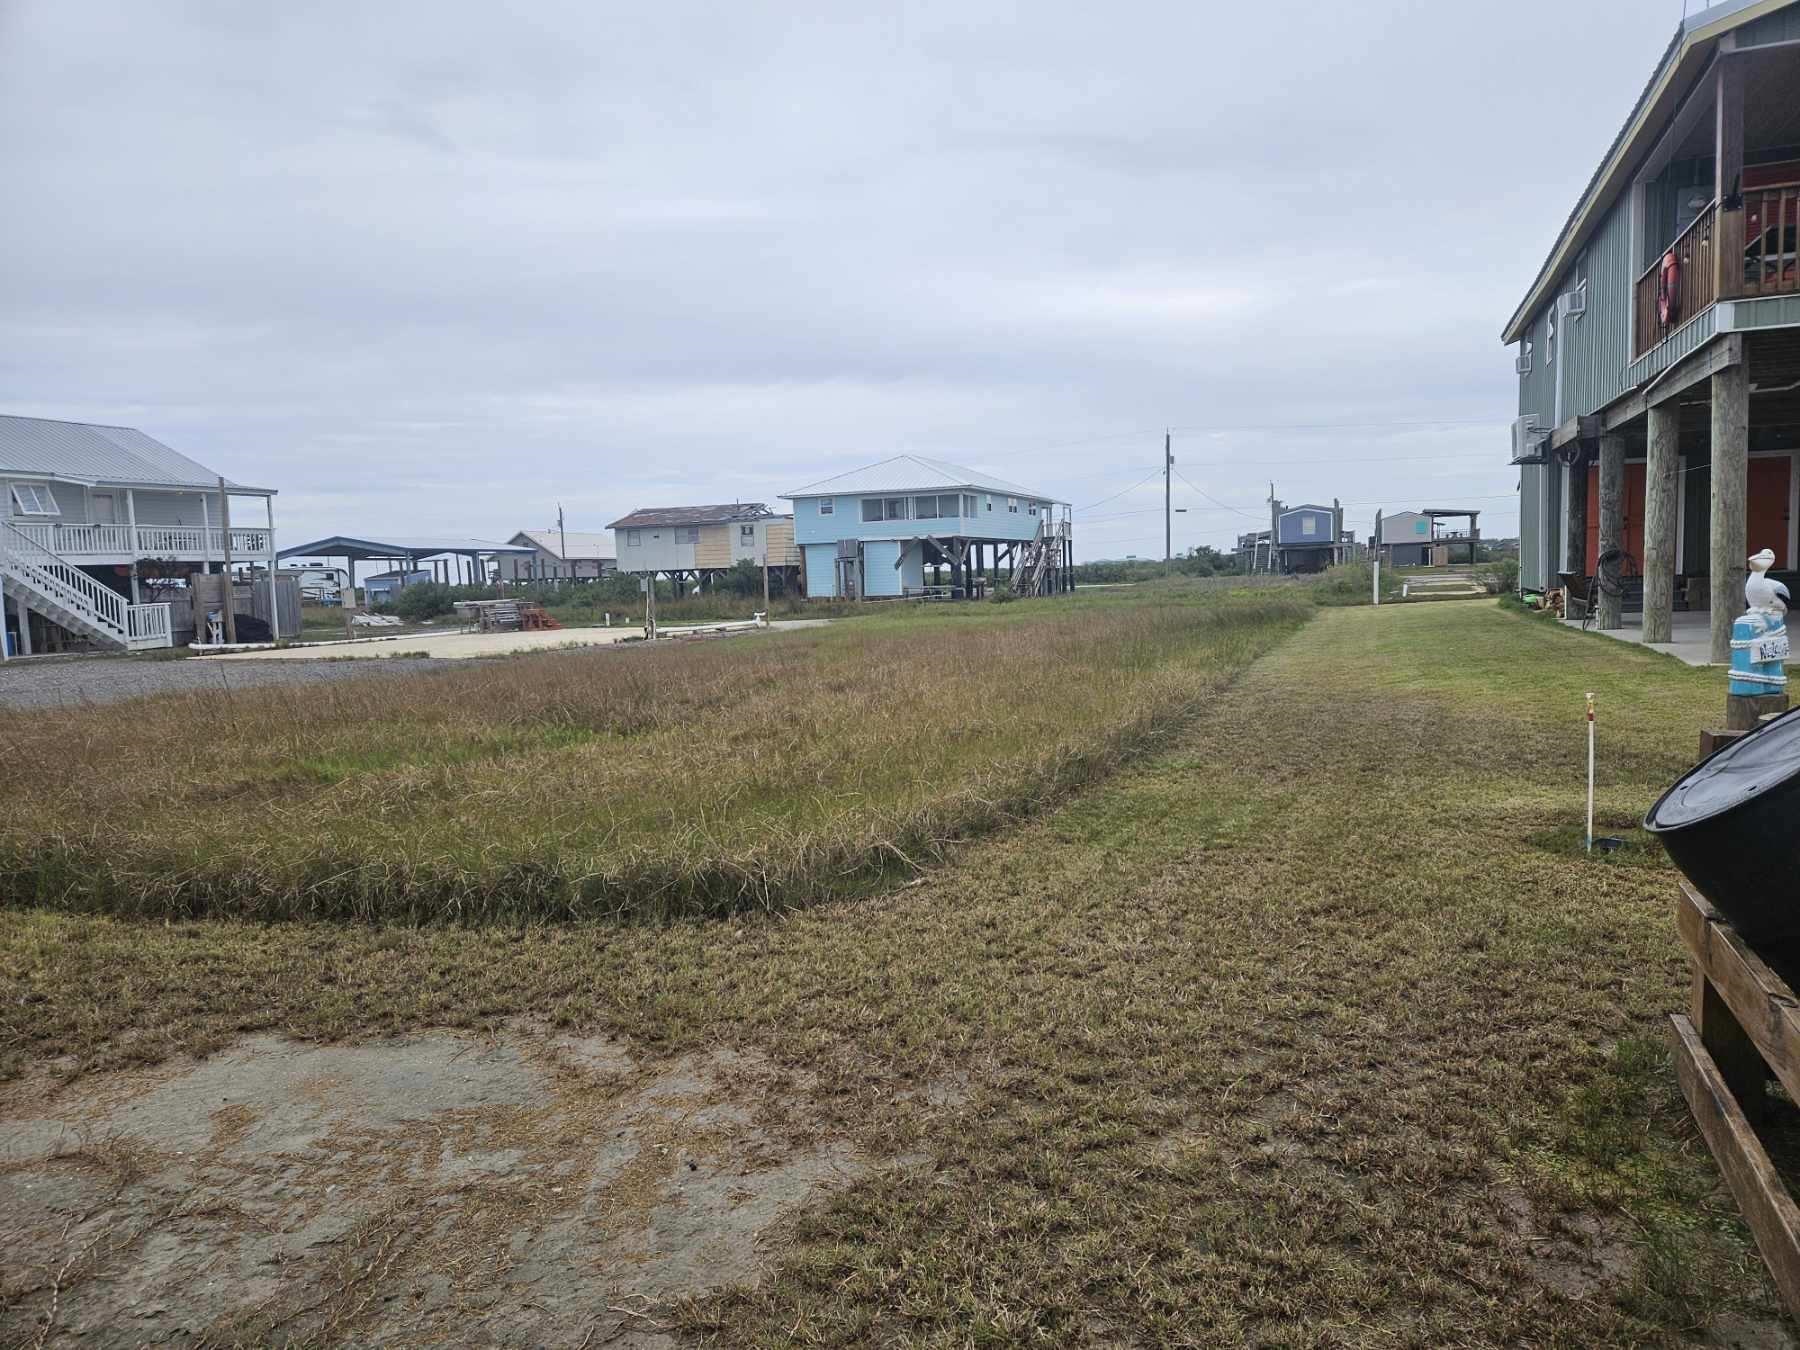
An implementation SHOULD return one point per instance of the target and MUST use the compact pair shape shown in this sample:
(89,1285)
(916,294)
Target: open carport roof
(360,548)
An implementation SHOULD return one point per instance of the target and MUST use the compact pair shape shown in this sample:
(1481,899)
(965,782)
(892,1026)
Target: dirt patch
(436,1188)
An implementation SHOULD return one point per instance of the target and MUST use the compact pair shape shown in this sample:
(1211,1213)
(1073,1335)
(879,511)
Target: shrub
(427,600)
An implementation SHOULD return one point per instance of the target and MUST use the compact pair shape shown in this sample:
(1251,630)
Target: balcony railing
(188,543)
(1771,231)
(1696,286)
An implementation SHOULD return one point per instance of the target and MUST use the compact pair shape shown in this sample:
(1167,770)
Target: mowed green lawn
(1309,1030)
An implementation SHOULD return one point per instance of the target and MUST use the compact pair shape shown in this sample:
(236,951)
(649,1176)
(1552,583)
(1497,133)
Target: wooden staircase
(70,598)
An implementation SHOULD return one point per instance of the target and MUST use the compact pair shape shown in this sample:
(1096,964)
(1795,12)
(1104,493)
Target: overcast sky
(432,268)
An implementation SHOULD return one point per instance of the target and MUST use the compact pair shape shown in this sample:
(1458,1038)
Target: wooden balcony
(1765,234)
(114,543)
(1771,231)
(1696,287)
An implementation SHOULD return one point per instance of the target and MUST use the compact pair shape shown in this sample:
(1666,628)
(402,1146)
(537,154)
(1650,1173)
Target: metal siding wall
(1771,311)
(821,571)
(1531,567)
(1696,333)
(912,569)
(1537,388)
(1598,344)
(1781,26)
(880,576)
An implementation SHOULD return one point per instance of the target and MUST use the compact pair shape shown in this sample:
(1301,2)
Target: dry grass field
(1308,1029)
(705,777)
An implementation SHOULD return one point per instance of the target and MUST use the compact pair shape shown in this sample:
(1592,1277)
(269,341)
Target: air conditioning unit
(1528,441)
(1522,363)
(1574,303)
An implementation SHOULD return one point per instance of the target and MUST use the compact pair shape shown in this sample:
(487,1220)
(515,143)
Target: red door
(1767,507)
(1634,515)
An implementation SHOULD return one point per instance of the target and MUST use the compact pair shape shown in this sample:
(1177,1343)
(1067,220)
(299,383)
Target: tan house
(696,543)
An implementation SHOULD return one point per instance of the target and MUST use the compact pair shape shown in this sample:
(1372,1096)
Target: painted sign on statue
(1759,639)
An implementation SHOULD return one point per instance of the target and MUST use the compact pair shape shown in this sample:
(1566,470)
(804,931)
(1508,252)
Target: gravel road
(54,683)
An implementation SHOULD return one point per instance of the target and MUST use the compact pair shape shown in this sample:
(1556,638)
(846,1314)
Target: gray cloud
(435,267)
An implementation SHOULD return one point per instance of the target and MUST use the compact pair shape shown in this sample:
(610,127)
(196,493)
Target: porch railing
(188,542)
(148,626)
(1771,232)
(1696,287)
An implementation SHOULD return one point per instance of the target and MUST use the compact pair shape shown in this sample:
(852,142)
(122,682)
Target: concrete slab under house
(1658,348)
(102,529)
(911,527)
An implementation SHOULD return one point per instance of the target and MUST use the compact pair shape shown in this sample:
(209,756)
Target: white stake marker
(1590,816)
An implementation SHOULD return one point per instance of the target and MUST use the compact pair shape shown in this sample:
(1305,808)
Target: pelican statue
(1760,591)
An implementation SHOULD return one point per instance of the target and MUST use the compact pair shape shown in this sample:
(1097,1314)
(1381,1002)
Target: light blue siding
(992,520)
(1690,337)
(880,576)
(912,568)
(1597,346)
(821,570)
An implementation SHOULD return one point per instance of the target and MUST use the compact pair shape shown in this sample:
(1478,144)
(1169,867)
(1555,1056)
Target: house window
(827,505)
(1033,508)
(893,508)
(633,538)
(747,534)
(925,508)
(950,507)
(871,510)
(1550,341)
(34,499)
(1012,504)
(990,503)
(1309,524)
(687,534)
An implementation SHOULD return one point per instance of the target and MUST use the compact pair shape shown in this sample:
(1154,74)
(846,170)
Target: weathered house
(1658,347)
(696,543)
(1307,538)
(873,531)
(559,555)
(89,514)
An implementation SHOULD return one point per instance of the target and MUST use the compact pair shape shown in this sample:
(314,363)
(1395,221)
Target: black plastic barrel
(1732,824)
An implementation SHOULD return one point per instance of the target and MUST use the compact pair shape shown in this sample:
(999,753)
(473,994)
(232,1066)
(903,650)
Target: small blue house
(873,532)
(384,587)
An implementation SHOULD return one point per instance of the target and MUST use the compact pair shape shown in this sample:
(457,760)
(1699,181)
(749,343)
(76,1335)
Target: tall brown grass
(761,771)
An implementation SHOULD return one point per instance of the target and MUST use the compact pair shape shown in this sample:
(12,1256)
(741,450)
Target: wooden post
(1575,520)
(1612,527)
(24,624)
(131,525)
(1662,508)
(1728,177)
(225,536)
(1730,469)
(274,600)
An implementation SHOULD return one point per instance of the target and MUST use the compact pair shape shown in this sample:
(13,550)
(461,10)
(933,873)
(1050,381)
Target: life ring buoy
(1668,290)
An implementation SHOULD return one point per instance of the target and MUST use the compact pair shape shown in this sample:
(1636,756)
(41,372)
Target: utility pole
(565,536)
(1168,517)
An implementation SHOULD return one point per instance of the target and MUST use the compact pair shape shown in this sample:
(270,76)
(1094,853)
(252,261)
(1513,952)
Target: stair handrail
(63,581)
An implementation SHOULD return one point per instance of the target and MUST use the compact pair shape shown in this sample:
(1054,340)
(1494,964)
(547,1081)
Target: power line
(1133,488)
(1214,500)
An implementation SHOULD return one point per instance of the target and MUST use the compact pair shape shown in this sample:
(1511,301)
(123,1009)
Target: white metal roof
(583,546)
(396,546)
(912,473)
(89,453)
